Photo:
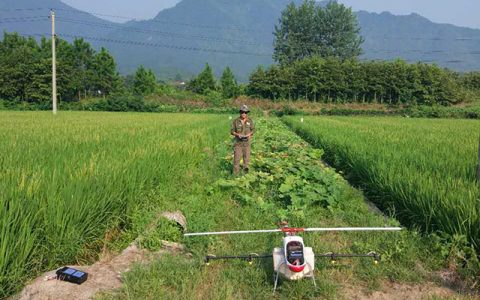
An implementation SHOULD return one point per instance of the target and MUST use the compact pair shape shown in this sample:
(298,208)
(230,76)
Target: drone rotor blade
(354,229)
(232,232)
(296,230)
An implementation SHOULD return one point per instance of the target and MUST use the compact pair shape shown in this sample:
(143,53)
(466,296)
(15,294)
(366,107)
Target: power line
(25,9)
(421,52)
(23,19)
(179,35)
(234,28)
(95,14)
(426,38)
(426,61)
(197,49)
(158,45)
(148,31)
(228,28)
(155,45)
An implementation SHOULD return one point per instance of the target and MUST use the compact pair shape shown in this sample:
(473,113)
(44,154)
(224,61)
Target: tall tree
(83,60)
(106,77)
(257,82)
(144,82)
(229,84)
(17,56)
(310,29)
(204,82)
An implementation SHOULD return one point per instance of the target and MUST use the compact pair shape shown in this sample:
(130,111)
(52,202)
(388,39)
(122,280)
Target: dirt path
(104,275)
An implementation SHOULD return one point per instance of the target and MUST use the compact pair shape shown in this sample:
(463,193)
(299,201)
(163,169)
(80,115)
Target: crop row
(423,170)
(287,174)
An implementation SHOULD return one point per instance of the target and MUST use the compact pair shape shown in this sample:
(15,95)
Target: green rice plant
(253,201)
(421,169)
(66,180)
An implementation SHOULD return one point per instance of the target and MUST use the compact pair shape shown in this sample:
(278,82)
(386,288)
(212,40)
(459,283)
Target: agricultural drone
(293,260)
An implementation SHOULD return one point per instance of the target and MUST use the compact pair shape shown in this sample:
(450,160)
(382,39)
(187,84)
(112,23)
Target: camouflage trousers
(241,150)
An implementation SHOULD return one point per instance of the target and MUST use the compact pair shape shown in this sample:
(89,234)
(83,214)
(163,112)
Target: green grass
(422,170)
(77,182)
(222,202)
(67,180)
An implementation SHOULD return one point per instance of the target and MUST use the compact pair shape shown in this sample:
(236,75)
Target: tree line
(26,70)
(317,49)
(82,72)
(205,83)
(334,80)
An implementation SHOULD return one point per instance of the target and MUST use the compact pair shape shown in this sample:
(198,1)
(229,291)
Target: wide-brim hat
(244,108)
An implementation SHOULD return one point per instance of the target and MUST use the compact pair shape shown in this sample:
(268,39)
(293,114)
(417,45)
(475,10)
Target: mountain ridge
(32,17)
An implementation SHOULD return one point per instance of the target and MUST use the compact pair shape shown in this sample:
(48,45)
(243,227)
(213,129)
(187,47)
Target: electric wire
(130,18)
(234,28)
(147,44)
(154,31)
(23,19)
(214,39)
(23,9)
(180,35)
(237,28)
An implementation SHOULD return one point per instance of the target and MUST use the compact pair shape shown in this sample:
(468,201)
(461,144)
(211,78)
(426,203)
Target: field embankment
(423,171)
(181,101)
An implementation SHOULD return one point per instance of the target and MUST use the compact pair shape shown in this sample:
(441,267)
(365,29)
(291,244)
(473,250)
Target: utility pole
(54,66)
(478,163)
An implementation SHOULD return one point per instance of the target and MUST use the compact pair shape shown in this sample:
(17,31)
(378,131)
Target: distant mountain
(415,38)
(227,26)
(32,17)
(239,34)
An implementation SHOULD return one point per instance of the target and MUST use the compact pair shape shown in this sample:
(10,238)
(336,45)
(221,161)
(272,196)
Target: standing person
(242,130)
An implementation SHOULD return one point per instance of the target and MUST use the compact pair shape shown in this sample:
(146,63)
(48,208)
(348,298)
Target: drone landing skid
(310,274)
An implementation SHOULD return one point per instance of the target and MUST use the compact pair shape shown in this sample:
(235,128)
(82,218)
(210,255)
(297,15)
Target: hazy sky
(458,12)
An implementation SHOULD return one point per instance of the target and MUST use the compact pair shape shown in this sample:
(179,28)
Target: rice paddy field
(78,183)
(287,181)
(422,170)
(66,180)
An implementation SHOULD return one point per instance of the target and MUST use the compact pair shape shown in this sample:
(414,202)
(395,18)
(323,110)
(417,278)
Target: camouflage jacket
(242,128)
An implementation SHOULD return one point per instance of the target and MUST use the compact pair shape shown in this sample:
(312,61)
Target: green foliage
(106,79)
(423,187)
(204,82)
(407,255)
(18,55)
(26,71)
(125,103)
(257,82)
(57,209)
(311,30)
(285,173)
(332,80)
(149,229)
(228,84)
(145,82)
(471,80)
(214,98)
